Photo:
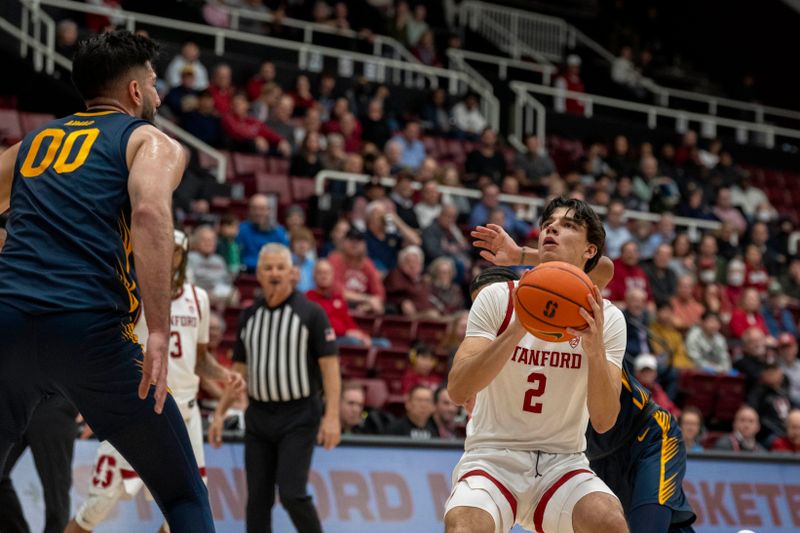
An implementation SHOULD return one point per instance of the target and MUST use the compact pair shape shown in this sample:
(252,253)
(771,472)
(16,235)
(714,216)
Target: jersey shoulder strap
(509,308)
(197,302)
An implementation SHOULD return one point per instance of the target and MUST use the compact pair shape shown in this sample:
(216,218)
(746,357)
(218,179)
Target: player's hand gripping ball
(549,298)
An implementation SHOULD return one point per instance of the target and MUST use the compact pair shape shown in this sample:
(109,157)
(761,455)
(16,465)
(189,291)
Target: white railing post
(234,20)
(652,119)
(130,24)
(24,22)
(712,107)
(219,43)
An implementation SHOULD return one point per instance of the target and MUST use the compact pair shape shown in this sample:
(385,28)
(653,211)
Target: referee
(286,349)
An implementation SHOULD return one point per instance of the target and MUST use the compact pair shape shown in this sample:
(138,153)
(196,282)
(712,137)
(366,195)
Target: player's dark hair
(586,216)
(491,275)
(102,60)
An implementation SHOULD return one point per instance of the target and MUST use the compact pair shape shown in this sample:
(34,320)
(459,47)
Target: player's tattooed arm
(7,160)
(499,248)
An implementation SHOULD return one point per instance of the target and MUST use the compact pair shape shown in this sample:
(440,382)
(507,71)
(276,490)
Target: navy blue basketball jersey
(69,239)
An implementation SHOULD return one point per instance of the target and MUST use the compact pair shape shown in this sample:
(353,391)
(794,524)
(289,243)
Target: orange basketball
(548,300)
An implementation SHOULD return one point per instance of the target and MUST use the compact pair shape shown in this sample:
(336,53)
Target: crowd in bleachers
(712,316)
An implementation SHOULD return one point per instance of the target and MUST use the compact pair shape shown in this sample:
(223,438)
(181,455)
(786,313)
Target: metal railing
(381,44)
(518,32)
(309,57)
(460,57)
(533,205)
(50,57)
(650,113)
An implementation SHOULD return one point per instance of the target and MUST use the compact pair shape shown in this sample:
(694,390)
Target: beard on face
(148,110)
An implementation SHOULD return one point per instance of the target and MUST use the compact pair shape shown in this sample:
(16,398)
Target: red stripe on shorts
(128,474)
(202,470)
(509,309)
(538,514)
(512,501)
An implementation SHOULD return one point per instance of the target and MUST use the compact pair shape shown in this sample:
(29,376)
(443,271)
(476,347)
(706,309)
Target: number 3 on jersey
(538,381)
(175,348)
(62,164)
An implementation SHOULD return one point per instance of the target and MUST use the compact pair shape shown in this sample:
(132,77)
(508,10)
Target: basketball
(549,298)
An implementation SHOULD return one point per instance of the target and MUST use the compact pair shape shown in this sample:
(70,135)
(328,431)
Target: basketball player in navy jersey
(642,458)
(90,197)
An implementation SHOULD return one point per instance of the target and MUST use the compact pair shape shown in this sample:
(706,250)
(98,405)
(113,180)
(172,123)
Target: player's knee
(614,522)
(468,520)
(454,523)
(599,512)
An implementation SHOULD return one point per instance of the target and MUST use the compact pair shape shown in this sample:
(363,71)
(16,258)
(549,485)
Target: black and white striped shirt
(281,347)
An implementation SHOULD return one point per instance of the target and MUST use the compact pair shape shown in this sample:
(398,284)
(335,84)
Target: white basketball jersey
(538,400)
(189,327)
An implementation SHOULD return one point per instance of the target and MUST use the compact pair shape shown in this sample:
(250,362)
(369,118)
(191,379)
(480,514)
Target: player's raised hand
(154,369)
(592,335)
(496,245)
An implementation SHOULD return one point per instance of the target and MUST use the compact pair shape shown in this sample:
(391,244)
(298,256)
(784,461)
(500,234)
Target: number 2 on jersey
(87,138)
(538,381)
(175,348)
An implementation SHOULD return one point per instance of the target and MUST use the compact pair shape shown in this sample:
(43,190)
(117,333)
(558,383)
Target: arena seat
(277,184)
(730,396)
(376,392)
(398,329)
(700,390)
(31,121)
(10,128)
(302,189)
(390,364)
(278,165)
(353,361)
(432,332)
(231,316)
(366,323)
(247,285)
(249,164)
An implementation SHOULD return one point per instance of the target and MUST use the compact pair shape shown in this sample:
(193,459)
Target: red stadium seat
(367,324)
(353,361)
(398,329)
(31,121)
(375,390)
(231,317)
(432,332)
(10,128)
(276,184)
(248,286)
(700,390)
(730,396)
(209,163)
(390,364)
(249,164)
(302,189)
(711,438)
(278,165)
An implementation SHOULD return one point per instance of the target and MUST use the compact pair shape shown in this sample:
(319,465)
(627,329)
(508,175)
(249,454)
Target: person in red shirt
(264,76)
(406,289)
(645,368)
(421,371)
(249,133)
(570,80)
(356,276)
(628,274)
(687,311)
(747,314)
(221,88)
(302,97)
(755,275)
(350,128)
(790,442)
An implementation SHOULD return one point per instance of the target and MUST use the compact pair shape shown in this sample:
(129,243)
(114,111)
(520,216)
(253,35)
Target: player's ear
(134,90)
(591,251)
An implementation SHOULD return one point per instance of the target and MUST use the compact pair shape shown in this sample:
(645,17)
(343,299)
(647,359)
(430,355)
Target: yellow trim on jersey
(95,113)
(625,382)
(669,449)
(124,271)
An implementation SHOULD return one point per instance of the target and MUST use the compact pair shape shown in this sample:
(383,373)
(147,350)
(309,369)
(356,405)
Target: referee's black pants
(278,444)
(51,438)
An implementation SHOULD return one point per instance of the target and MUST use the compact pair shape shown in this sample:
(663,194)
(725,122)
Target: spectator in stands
(706,346)
(451,178)
(777,316)
(743,438)
(429,207)
(714,299)
(663,280)
(687,310)
(748,198)
(350,129)
(402,197)
(334,156)
(660,192)
(688,145)
(709,157)
(406,289)
(386,234)
(755,276)
(204,122)
(754,356)
(616,228)
(490,201)
(188,57)
(790,281)
(428,170)
(682,255)
(356,275)
(790,442)
(638,322)
(695,206)
(570,80)
(446,294)
(259,229)
(264,76)
(301,96)
(444,238)
(628,274)
(307,162)
(534,167)
(770,399)
(417,422)
(711,266)
(621,162)
(760,238)
(417,25)
(67,39)
(624,193)
(691,422)
(375,127)
(747,314)
(735,277)
(183,97)
(207,269)
(304,257)
(664,234)
(787,359)
(421,370)
(280,121)
(412,151)
(340,19)
(726,212)
(222,89)
(665,339)
(486,159)
(445,413)
(624,73)
(262,106)
(645,368)
(351,409)
(331,299)
(248,133)
(468,119)
(437,116)
(425,50)
(227,247)
(327,95)
(397,27)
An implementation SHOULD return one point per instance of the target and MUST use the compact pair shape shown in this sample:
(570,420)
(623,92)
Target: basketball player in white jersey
(523,461)
(112,477)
